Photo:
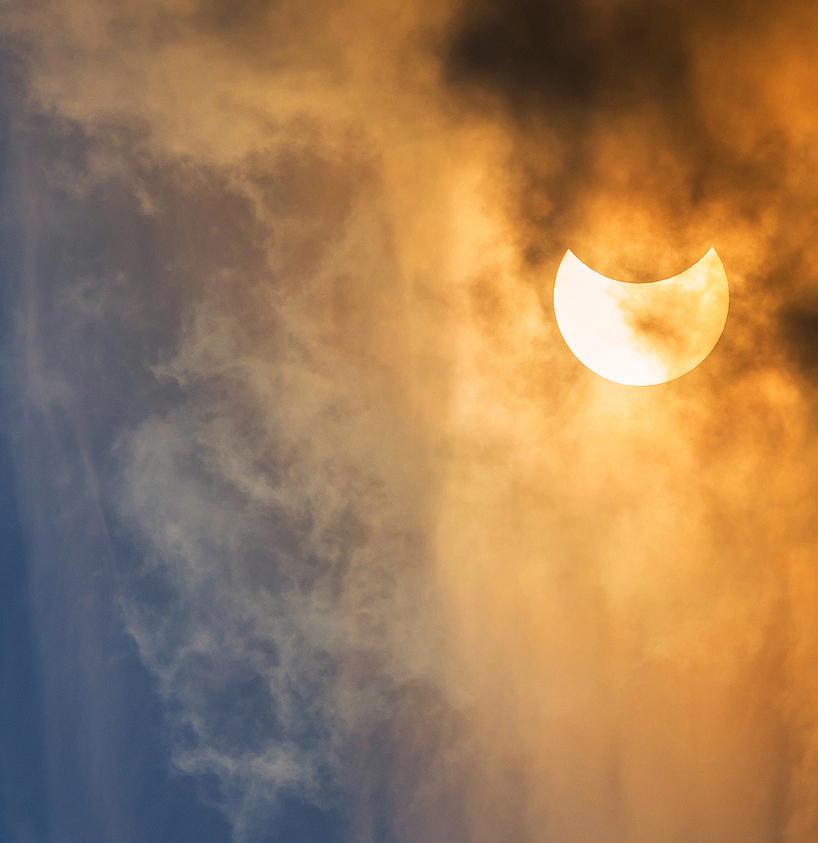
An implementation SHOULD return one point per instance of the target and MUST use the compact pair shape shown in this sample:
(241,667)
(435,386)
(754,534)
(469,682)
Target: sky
(313,528)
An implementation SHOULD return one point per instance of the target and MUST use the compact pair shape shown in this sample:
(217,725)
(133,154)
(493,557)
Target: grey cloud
(263,484)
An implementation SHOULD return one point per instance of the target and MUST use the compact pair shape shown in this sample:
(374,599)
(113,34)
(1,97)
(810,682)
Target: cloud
(401,568)
(221,338)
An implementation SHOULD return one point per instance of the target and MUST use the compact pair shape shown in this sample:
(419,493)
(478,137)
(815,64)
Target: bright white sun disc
(641,334)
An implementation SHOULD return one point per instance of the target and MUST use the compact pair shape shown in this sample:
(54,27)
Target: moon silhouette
(641,334)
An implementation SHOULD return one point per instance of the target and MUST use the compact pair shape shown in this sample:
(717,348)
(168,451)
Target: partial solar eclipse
(641,334)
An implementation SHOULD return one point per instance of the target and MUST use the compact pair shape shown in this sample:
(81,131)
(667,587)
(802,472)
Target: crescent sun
(641,334)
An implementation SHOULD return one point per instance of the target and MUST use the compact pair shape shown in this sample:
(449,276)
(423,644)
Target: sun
(641,334)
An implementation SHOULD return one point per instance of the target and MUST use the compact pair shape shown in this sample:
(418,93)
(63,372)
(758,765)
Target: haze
(297,441)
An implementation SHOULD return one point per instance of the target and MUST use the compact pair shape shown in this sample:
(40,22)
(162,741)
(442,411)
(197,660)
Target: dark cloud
(617,88)
(572,56)
(799,328)
(562,56)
